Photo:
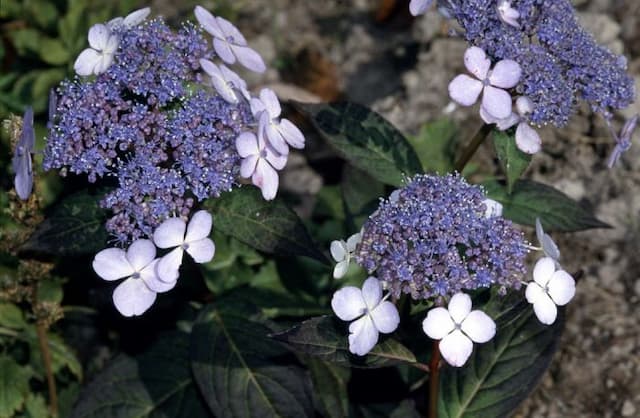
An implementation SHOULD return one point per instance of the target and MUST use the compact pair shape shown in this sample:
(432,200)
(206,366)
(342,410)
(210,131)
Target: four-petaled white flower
(493,208)
(196,242)
(103,46)
(21,161)
(458,327)
(372,314)
(418,7)
(527,139)
(547,244)
(550,287)
(132,19)
(228,42)
(508,14)
(260,162)
(342,252)
(280,133)
(496,101)
(225,81)
(138,264)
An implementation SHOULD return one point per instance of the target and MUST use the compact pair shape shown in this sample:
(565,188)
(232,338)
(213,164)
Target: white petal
(133,297)
(136,17)
(496,102)
(112,264)
(347,303)
(202,251)
(229,30)
(363,336)
(103,63)
(170,233)
(168,267)
(524,105)
(479,327)
(247,144)
(271,102)
(353,241)
(223,88)
(545,310)
(505,74)
(112,45)
(266,178)
(372,292)
(539,230)
(549,247)
(494,209)
(487,117)
(273,135)
(86,62)
(477,62)
(338,250)
(257,106)
(277,160)
(340,269)
(438,323)
(199,226)
(291,134)
(249,58)
(98,36)
(141,253)
(149,276)
(561,287)
(543,270)
(456,348)
(527,139)
(115,22)
(385,317)
(208,22)
(418,7)
(534,292)
(465,90)
(459,307)
(248,166)
(223,49)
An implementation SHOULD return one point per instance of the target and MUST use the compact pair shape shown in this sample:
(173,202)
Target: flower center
(136,275)
(185,246)
(230,39)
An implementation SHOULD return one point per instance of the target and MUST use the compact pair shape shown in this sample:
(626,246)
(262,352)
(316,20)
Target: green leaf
(435,145)
(14,386)
(74,227)
(530,200)
(35,407)
(502,372)
(243,373)
(330,387)
(513,161)
(268,226)
(365,139)
(52,51)
(157,383)
(11,316)
(360,191)
(326,338)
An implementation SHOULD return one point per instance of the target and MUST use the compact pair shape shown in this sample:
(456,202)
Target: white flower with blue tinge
(547,244)
(280,133)
(96,59)
(508,14)
(418,7)
(458,327)
(196,242)
(225,81)
(370,312)
(493,208)
(342,252)
(550,287)
(132,19)
(138,291)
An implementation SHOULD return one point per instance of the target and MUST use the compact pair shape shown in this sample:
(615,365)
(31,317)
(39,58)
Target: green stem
(434,380)
(46,359)
(472,147)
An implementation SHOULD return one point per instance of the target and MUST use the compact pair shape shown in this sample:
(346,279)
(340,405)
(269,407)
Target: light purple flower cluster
(159,116)
(433,239)
(560,61)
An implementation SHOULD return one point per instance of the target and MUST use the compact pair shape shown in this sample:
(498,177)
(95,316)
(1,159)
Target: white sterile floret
(225,81)
(280,133)
(138,292)
(196,242)
(494,208)
(370,312)
(342,252)
(549,247)
(458,327)
(508,14)
(132,19)
(96,59)
(550,287)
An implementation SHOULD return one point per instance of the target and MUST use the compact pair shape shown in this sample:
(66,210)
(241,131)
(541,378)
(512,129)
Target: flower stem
(46,359)
(472,147)
(434,379)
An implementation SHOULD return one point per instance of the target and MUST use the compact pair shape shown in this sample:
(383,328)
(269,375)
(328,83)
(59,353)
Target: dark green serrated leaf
(11,316)
(501,373)
(530,200)
(435,145)
(513,161)
(325,338)
(365,139)
(330,387)
(74,227)
(242,373)
(157,383)
(14,386)
(268,226)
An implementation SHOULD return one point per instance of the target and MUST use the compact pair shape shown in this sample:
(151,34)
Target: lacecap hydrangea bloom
(155,113)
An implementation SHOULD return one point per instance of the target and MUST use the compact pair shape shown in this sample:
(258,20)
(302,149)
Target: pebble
(628,409)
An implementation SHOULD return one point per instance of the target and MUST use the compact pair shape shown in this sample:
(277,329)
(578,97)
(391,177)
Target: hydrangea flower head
(370,312)
(458,327)
(21,162)
(435,240)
